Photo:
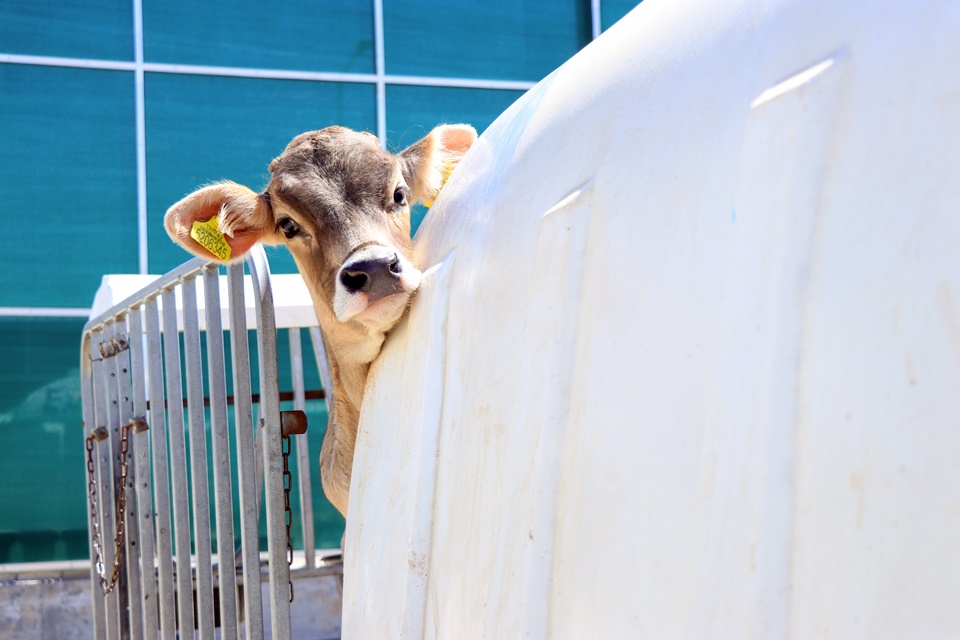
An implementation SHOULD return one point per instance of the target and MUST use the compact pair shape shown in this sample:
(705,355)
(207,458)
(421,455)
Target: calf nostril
(395,265)
(353,280)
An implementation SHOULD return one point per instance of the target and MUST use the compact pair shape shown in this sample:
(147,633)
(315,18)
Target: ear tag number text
(208,235)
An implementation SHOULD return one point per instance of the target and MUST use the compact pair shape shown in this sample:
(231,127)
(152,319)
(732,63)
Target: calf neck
(341,205)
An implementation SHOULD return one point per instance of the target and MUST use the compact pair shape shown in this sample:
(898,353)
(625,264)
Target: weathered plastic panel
(688,365)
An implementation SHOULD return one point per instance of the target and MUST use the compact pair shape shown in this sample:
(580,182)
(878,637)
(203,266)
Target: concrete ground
(53,601)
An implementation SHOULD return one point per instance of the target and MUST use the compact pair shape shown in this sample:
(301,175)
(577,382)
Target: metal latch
(113,346)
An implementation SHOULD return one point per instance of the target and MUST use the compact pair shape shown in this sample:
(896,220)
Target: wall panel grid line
(142,237)
(596,26)
(381,70)
(268,74)
(44,312)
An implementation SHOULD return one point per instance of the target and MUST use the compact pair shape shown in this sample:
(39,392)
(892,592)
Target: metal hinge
(139,424)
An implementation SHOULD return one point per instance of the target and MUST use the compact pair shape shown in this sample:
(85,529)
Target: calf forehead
(331,170)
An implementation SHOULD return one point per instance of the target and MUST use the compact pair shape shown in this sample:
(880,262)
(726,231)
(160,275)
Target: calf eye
(399,197)
(289,227)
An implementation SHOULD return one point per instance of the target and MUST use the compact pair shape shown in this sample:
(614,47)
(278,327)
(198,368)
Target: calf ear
(428,162)
(242,218)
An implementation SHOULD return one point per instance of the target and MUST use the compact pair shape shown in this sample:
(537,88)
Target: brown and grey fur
(338,188)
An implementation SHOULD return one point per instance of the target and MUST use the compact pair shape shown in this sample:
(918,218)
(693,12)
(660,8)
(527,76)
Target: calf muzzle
(376,276)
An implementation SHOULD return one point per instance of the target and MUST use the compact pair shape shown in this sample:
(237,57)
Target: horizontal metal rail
(285,396)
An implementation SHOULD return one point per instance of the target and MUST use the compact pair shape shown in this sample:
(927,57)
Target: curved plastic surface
(688,364)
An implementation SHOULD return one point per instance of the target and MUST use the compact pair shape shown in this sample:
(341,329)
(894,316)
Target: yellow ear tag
(209,236)
(444,175)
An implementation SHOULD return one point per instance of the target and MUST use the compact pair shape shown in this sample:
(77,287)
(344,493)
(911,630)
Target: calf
(341,205)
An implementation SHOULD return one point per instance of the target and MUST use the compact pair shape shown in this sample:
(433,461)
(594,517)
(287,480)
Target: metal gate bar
(222,484)
(303,450)
(320,353)
(248,483)
(89,424)
(120,375)
(141,456)
(104,460)
(178,463)
(161,494)
(273,448)
(198,459)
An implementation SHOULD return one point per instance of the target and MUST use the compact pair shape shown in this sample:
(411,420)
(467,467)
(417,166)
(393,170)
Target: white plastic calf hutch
(688,362)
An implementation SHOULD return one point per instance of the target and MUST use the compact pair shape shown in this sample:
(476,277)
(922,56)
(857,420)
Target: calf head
(341,205)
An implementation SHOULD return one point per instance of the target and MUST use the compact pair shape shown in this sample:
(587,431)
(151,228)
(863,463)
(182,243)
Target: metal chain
(121,506)
(108,587)
(92,492)
(287,513)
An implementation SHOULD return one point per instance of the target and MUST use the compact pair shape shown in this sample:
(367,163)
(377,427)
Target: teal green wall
(68,169)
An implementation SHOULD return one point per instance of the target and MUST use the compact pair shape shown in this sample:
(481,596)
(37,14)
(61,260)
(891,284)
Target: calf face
(341,205)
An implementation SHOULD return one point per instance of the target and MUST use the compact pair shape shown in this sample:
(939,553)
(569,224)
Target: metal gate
(145,578)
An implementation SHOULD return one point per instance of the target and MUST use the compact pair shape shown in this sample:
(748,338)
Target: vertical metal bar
(178,463)
(246,462)
(131,557)
(380,67)
(141,454)
(258,459)
(161,480)
(89,424)
(596,26)
(222,484)
(303,450)
(323,365)
(198,458)
(272,446)
(106,483)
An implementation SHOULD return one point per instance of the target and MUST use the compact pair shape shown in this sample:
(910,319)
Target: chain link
(287,513)
(108,587)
